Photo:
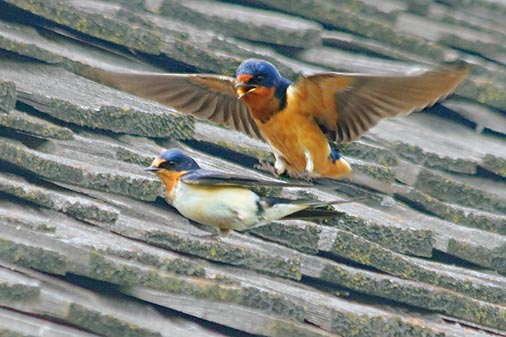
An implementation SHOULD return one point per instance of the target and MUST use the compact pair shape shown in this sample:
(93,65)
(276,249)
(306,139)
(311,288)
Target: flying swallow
(226,201)
(297,119)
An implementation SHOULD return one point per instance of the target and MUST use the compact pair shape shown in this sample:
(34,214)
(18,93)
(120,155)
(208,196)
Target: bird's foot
(216,236)
(266,167)
(301,176)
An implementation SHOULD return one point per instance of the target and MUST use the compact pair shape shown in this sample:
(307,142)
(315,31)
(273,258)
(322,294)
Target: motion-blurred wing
(347,105)
(210,97)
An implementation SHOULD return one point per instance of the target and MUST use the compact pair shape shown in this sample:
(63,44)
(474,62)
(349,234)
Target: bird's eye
(168,165)
(259,78)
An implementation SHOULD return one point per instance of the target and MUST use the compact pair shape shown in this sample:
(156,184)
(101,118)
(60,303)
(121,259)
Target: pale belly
(222,207)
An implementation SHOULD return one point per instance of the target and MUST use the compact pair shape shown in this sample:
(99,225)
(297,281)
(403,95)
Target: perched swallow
(225,201)
(297,119)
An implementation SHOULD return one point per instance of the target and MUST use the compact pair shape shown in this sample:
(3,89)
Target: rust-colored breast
(262,103)
(293,131)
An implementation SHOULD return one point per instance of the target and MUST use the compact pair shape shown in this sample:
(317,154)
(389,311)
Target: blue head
(173,160)
(257,72)
(252,75)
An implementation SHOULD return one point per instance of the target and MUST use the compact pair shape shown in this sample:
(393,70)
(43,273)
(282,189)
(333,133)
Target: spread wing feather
(210,97)
(347,105)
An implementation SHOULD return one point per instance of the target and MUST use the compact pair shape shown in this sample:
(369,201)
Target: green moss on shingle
(18,292)
(128,156)
(466,217)
(406,241)
(172,265)
(485,92)
(351,19)
(103,324)
(7,96)
(238,256)
(463,194)
(107,27)
(418,294)
(271,302)
(45,130)
(301,238)
(33,257)
(483,256)
(494,164)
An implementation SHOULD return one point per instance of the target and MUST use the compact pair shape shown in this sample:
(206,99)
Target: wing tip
(454,73)
(458,68)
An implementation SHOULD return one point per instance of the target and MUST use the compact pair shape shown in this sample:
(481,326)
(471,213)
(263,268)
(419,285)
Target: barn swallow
(297,119)
(224,200)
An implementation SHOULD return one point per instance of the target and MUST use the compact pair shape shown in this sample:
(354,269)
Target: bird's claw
(301,176)
(266,167)
(223,232)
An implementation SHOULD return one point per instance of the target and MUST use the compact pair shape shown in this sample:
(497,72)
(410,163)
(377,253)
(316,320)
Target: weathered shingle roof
(88,247)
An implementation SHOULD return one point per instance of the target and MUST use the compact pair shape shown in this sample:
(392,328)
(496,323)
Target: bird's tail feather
(280,208)
(314,213)
(271,201)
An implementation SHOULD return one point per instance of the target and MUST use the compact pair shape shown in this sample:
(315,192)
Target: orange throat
(262,103)
(170,180)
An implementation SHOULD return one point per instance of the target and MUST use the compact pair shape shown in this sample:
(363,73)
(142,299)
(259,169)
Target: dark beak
(244,88)
(152,168)
(245,85)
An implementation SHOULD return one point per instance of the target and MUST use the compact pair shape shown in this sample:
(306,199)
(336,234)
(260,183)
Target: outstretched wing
(210,97)
(347,105)
(215,178)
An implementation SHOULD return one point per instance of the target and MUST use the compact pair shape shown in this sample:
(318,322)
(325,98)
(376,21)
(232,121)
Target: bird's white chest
(221,206)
